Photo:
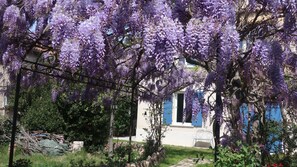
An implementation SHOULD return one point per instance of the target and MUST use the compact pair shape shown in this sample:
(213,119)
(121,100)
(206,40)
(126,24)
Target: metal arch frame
(75,77)
(53,71)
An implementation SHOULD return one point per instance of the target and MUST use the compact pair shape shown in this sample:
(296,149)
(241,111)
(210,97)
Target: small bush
(150,147)
(120,155)
(39,112)
(78,119)
(5,130)
(122,117)
(22,163)
(85,121)
(82,163)
(243,155)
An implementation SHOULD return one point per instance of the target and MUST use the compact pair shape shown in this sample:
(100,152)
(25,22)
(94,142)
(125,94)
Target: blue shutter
(197,122)
(244,111)
(167,113)
(273,113)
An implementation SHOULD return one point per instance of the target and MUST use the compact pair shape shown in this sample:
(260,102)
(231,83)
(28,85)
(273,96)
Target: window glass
(180,107)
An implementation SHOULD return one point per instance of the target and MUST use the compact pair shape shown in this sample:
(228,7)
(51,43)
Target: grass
(40,160)
(174,154)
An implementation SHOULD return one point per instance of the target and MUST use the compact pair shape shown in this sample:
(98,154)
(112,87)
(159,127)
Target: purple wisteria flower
(92,38)
(197,39)
(229,43)
(11,15)
(62,27)
(3,3)
(42,7)
(161,40)
(262,49)
(70,54)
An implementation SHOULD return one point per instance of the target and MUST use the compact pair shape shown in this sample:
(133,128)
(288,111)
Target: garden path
(189,163)
(185,163)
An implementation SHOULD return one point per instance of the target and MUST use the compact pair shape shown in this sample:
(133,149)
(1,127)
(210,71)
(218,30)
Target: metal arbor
(48,66)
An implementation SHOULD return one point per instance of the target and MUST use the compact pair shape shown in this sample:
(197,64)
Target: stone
(147,163)
(143,164)
(154,155)
(77,145)
(52,147)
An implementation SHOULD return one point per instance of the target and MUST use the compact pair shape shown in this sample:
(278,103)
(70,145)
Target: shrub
(77,119)
(119,157)
(5,129)
(150,147)
(82,163)
(43,115)
(243,155)
(22,163)
(85,121)
(122,117)
(37,111)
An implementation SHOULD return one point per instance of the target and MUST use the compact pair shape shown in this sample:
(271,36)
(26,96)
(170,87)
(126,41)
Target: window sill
(183,126)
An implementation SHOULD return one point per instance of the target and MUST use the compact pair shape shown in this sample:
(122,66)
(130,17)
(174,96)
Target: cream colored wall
(176,134)
(180,135)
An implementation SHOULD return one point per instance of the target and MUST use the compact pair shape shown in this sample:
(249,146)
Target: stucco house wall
(177,133)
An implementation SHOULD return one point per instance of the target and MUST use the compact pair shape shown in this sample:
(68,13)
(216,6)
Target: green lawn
(175,154)
(40,160)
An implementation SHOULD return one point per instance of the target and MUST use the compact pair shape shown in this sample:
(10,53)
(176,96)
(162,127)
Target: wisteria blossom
(138,43)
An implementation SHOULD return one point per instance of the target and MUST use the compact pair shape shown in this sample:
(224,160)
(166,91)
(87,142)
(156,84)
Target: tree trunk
(160,124)
(131,122)
(217,122)
(248,133)
(110,138)
(286,134)
(263,136)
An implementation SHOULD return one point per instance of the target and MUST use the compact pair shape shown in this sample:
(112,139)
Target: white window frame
(188,65)
(183,61)
(174,111)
